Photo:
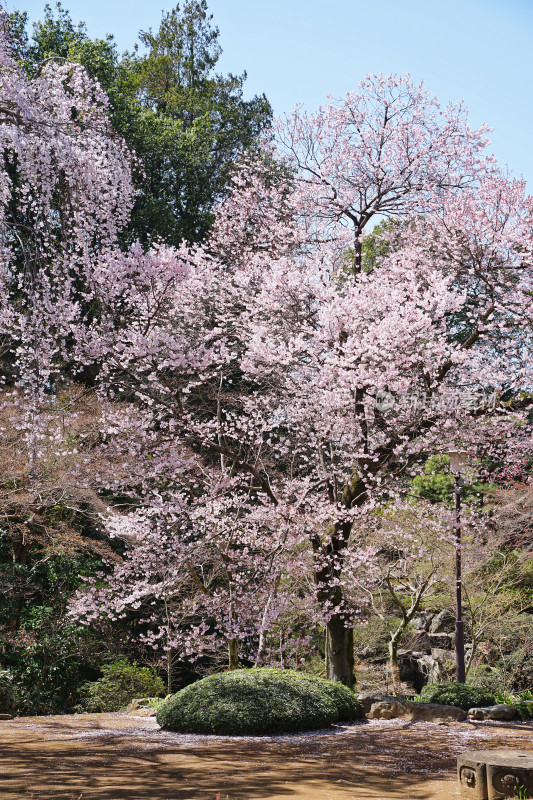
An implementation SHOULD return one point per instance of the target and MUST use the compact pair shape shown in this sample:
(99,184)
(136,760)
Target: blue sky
(298,51)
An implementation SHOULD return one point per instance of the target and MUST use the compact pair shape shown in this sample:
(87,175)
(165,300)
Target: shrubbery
(9,692)
(461,695)
(524,710)
(258,701)
(121,682)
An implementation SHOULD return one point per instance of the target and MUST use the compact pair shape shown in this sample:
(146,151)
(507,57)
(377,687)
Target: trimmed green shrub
(258,701)
(525,710)
(461,695)
(121,682)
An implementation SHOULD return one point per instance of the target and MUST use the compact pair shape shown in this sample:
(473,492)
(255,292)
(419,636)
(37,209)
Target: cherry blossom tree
(260,364)
(388,149)
(259,404)
(65,192)
(204,578)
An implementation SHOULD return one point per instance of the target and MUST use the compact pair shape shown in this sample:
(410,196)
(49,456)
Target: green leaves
(120,683)
(258,701)
(460,695)
(186,124)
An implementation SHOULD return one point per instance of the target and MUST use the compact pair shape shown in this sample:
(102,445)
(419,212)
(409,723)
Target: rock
(442,655)
(428,712)
(411,671)
(422,622)
(139,703)
(422,641)
(367,699)
(429,669)
(387,709)
(422,712)
(143,712)
(509,774)
(418,668)
(444,622)
(441,641)
(472,775)
(501,712)
(6,716)
(433,712)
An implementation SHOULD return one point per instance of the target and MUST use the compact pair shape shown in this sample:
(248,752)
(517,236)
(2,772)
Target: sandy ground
(119,757)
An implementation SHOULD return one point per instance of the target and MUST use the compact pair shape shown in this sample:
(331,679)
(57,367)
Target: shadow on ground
(116,757)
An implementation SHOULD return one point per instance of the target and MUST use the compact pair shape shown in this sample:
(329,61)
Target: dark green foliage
(461,695)
(10,692)
(121,682)
(258,701)
(186,123)
(436,483)
(376,244)
(50,665)
(45,658)
(525,710)
(189,125)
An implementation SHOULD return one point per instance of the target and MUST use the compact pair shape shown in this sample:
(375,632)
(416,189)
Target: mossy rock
(251,702)
(460,695)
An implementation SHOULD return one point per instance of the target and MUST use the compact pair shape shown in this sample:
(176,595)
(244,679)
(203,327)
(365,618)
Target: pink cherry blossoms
(240,382)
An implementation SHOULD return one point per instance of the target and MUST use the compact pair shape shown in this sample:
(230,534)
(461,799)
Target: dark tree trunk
(330,554)
(339,652)
(233,654)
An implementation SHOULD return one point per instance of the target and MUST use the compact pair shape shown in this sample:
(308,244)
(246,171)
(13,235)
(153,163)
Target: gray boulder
(429,669)
(441,655)
(444,622)
(433,712)
(422,621)
(387,709)
(421,640)
(416,712)
(142,707)
(368,699)
(143,712)
(500,713)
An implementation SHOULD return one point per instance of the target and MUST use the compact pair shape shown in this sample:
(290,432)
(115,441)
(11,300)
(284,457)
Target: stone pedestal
(495,774)
(472,775)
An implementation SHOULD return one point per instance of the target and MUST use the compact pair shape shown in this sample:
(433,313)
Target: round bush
(460,695)
(258,701)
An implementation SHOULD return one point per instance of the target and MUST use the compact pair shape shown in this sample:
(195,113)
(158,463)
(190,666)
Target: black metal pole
(459,625)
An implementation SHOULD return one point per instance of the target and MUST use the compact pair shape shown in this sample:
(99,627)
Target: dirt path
(118,757)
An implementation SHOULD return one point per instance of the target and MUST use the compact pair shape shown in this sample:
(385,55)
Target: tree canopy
(186,124)
(241,462)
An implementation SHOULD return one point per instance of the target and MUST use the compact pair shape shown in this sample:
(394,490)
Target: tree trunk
(393,665)
(339,652)
(330,555)
(169,671)
(264,619)
(233,653)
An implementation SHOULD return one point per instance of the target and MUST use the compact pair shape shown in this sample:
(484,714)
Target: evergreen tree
(186,124)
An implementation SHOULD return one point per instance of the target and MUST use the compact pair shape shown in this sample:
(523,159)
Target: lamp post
(458,463)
